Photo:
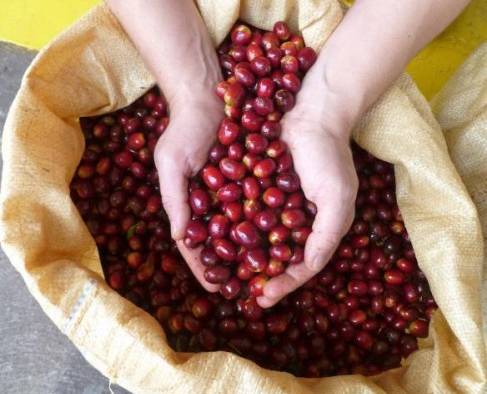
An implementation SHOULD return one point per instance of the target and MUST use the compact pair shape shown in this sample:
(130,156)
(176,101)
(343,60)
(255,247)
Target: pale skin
(360,60)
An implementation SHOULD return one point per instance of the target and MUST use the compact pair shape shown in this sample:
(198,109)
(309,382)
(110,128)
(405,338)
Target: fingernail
(269,291)
(264,302)
(176,233)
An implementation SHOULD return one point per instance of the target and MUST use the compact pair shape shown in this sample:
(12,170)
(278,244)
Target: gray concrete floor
(35,357)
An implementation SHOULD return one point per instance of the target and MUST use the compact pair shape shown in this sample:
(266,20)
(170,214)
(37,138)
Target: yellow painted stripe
(434,65)
(33,23)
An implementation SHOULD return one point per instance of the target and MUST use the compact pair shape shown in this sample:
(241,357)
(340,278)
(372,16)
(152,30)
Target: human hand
(363,56)
(187,69)
(323,161)
(180,153)
(359,61)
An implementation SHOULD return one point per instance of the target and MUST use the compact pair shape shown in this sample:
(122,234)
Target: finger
(328,229)
(277,288)
(174,192)
(192,258)
(331,222)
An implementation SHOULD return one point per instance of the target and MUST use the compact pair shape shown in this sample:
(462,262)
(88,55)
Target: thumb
(328,229)
(174,192)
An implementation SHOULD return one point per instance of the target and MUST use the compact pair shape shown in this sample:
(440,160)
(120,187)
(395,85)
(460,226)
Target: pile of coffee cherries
(248,208)
(362,313)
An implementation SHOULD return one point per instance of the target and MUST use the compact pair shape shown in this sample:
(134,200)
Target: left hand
(180,153)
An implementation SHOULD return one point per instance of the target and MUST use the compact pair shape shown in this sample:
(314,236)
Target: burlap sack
(461,110)
(93,68)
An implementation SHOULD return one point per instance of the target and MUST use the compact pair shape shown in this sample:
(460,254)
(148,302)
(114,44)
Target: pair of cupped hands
(319,143)
(361,59)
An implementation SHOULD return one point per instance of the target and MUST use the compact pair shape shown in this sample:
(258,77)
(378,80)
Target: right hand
(323,161)
(180,153)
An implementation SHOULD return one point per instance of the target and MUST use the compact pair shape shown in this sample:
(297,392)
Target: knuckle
(332,240)
(289,132)
(166,163)
(314,269)
(170,199)
(167,200)
(161,145)
(354,185)
(345,193)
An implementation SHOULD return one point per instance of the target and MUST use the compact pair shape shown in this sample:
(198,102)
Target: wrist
(182,89)
(333,96)
(187,101)
(191,77)
(329,110)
